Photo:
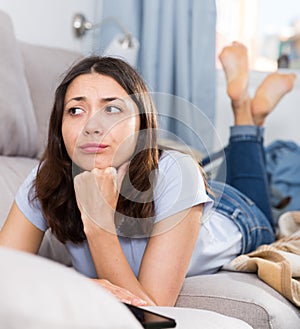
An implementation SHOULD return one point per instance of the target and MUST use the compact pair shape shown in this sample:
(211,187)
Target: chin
(88,163)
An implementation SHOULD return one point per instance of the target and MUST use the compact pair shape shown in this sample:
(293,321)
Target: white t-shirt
(179,186)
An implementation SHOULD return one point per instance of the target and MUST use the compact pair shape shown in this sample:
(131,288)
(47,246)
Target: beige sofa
(28,77)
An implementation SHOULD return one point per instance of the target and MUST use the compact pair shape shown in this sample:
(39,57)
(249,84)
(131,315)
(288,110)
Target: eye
(75,111)
(112,109)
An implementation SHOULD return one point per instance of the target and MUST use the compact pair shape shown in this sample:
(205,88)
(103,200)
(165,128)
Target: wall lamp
(123,45)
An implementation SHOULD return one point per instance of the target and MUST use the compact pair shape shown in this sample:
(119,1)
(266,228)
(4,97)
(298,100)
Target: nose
(88,132)
(93,127)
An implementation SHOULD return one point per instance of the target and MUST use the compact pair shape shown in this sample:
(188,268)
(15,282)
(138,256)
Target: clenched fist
(97,194)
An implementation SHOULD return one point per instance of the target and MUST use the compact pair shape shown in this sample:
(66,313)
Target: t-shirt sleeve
(179,186)
(30,209)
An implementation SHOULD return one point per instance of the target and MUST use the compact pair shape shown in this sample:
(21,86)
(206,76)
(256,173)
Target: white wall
(283,123)
(49,22)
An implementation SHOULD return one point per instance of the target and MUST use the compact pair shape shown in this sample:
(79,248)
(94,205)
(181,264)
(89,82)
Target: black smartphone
(151,320)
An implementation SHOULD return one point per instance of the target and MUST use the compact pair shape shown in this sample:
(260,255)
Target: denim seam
(237,205)
(246,138)
(233,212)
(243,230)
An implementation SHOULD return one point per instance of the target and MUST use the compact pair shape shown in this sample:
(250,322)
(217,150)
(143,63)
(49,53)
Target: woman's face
(100,122)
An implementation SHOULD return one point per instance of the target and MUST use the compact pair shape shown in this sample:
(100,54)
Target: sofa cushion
(240,295)
(37,293)
(18,127)
(13,171)
(44,67)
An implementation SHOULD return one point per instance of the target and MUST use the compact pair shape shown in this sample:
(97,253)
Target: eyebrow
(104,100)
(79,98)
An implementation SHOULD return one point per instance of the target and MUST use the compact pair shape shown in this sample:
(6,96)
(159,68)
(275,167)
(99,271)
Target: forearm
(110,261)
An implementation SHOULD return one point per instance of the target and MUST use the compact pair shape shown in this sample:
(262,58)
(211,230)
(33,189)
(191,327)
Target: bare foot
(269,93)
(234,59)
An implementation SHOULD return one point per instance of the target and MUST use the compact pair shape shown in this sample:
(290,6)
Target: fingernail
(126,301)
(140,302)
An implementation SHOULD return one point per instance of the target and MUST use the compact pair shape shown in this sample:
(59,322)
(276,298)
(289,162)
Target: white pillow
(38,293)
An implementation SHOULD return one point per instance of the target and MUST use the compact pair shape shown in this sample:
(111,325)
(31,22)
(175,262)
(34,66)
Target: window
(269,28)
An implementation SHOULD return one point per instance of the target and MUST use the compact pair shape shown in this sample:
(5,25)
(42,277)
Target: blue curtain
(177,57)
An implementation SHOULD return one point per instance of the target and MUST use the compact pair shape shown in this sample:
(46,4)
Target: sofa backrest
(44,68)
(29,75)
(18,128)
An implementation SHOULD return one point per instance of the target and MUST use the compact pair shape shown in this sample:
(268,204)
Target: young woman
(129,213)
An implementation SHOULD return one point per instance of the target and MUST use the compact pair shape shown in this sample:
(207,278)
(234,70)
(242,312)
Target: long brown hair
(54,181)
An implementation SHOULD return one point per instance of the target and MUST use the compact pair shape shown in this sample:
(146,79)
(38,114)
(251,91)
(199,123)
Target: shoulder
(177,160)
(28,184)
(173,155)
(179,169)
(179,184)
(27,204)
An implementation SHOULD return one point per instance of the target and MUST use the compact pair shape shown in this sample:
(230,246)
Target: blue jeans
(245,197)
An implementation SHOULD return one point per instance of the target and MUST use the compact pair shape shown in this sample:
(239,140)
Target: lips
(93,147)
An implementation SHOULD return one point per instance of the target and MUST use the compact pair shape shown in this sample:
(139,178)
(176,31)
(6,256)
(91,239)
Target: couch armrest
(240,295)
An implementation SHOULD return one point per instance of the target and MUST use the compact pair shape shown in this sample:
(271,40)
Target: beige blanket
(277,264)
